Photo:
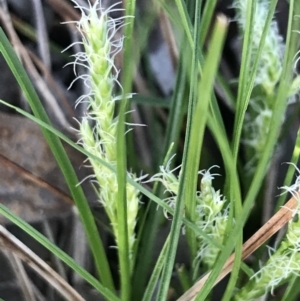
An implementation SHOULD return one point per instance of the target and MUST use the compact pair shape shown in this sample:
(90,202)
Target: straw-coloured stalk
(283,263)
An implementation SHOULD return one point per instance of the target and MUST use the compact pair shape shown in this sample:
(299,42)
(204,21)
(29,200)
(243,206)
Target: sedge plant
(211,218)
(99,128)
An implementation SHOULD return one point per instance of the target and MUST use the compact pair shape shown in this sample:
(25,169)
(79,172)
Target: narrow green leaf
(206,19)
(153,282)
(192,176)
(196,133)
(58,252)
(63,162)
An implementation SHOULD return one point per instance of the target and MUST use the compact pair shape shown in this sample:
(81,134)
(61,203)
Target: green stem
(123,245)
(191,186)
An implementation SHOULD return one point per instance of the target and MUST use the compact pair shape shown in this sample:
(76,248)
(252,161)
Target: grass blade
(206,86)
(63,162)
(58,252)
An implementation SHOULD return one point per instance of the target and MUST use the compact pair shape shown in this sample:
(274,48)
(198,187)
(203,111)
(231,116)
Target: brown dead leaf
(31,184)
